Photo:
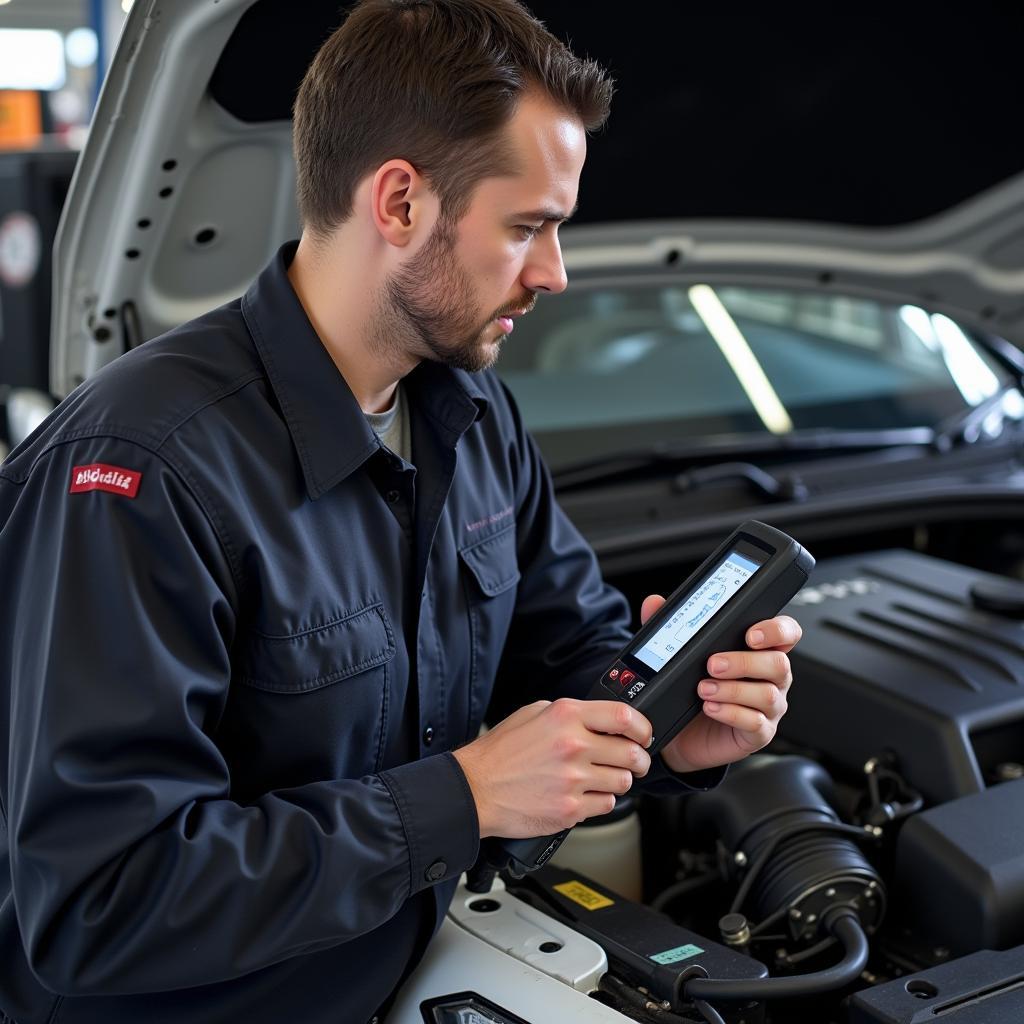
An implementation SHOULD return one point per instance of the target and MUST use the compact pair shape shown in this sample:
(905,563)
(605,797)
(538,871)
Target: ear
(400,202)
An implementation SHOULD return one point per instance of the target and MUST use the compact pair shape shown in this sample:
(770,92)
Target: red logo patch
(101,477)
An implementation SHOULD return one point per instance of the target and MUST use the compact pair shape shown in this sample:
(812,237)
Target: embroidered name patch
(101,477)
(493,518)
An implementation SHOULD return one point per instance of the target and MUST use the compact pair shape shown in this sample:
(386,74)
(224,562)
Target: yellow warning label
(585,897)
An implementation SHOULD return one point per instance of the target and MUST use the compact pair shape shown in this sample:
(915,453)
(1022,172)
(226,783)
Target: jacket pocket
(493,562)
(319,656)
(490,574)
(311,706)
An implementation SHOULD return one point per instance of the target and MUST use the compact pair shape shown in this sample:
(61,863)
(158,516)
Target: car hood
(186,187)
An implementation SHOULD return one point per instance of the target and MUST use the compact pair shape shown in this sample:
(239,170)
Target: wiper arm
(669,453)
(787,488)
(965,427)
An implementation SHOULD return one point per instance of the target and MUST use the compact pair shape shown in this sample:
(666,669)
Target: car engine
(869,869)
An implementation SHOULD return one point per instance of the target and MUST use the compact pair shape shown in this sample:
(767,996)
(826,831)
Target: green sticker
(673,956)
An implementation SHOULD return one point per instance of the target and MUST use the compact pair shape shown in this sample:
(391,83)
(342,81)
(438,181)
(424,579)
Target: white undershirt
(392,425)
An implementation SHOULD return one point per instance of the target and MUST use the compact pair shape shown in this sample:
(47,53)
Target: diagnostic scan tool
(753,575)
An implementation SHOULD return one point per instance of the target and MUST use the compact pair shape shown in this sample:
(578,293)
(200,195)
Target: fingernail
(708,689)
(756,638)
(649,742)
(719,665)
(713,706)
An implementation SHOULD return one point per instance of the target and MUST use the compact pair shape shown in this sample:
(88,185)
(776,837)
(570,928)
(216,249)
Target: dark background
(859,118)
(808,112)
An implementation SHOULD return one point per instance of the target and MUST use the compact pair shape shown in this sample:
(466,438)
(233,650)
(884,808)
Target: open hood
(186,187)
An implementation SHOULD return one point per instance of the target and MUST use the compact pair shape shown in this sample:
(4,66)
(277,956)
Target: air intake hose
(800,862)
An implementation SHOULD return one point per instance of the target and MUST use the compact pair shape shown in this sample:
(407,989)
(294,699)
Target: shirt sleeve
(132,867)
(569,623)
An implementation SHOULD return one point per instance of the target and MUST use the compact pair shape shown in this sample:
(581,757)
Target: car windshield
(610,367)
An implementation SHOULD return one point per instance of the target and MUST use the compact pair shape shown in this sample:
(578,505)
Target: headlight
(467,1008)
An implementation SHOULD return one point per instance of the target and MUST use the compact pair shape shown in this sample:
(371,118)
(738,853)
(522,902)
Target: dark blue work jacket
(240,639)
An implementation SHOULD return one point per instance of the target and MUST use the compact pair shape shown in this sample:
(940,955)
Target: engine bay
(868,869)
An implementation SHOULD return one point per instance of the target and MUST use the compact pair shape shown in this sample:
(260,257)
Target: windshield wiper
(669,453)
(965,427)
(779,488)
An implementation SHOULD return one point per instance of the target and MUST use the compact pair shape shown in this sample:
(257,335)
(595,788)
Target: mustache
(522,305)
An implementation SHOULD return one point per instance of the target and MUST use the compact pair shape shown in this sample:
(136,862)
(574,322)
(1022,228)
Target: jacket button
(436,871)
(393,496)
(428,735)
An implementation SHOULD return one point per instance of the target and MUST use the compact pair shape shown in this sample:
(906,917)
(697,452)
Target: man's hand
(550,765)
(744,698)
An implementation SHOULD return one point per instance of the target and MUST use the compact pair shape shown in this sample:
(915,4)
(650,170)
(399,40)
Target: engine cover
(960,871)
(980,989)
(906,653)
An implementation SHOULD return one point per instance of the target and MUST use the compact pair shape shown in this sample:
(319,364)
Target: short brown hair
(432,82)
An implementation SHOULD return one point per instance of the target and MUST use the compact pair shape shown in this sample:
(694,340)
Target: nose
(545,270)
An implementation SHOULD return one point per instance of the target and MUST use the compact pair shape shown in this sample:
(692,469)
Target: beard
(428,308)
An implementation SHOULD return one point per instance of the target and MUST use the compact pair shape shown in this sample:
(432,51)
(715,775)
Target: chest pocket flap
(319,656)
(493,562)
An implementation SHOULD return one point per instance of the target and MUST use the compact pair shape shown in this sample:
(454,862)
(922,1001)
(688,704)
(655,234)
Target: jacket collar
(327,426)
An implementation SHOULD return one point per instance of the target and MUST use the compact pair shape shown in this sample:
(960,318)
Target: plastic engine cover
(903,652)
(984,988)
(960,871)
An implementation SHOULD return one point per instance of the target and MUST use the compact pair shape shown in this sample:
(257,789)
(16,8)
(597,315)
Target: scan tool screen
(696,610)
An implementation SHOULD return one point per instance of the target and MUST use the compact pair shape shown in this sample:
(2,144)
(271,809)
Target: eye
(528,230)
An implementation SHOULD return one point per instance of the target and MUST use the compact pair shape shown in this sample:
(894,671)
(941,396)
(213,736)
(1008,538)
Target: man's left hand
(744,696)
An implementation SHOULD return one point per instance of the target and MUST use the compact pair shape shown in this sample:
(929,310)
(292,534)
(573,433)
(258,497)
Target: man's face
(458,295)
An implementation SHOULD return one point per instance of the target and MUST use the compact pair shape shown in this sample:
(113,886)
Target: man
(251,638)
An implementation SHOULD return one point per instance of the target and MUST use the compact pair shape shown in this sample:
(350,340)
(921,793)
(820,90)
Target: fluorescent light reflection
(740,358)
(972,376)
(921,324)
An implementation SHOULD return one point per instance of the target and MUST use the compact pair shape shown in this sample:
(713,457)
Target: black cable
(640,1003)
(480,876)
(841,922)
(708,1012)
(798,958)
(681,888)
(906,802)
(775,916)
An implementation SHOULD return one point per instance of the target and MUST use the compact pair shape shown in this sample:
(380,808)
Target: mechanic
(263,576)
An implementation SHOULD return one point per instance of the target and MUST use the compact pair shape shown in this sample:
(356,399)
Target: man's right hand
(550,766)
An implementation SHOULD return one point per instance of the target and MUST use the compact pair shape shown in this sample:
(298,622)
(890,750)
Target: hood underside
(186,185)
